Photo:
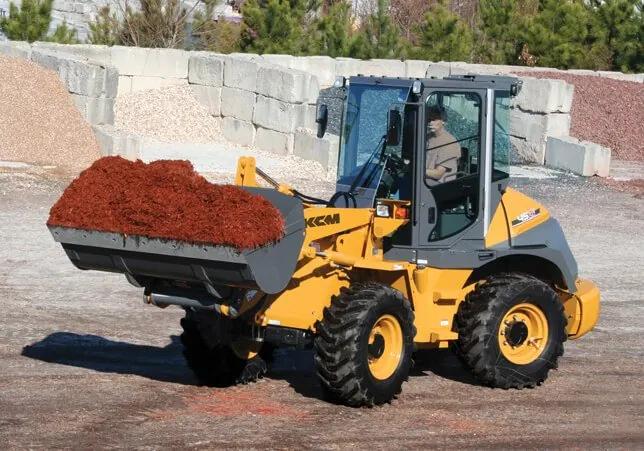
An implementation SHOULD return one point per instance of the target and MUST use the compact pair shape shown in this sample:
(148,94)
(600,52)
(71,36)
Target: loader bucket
(268,269)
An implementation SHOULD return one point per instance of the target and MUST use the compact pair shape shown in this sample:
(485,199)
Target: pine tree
(378,37)
(496,32)
(105,28)
(559,34)
(330,32)
(444,36)
(621,25)
(29,23)
(273,27)
(214,35)
(63,35)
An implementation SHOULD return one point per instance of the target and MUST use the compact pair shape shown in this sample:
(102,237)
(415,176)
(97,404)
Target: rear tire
(511,331)
(207,351)
(364,345)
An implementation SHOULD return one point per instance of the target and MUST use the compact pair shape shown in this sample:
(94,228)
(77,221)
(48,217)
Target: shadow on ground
(166,364)
(108,356)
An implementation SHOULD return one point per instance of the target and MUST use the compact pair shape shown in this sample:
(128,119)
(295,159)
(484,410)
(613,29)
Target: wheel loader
(397,261)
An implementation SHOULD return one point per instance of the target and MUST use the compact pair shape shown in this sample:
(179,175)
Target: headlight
(382,211)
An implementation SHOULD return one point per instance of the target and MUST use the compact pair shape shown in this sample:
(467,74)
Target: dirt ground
(84,364)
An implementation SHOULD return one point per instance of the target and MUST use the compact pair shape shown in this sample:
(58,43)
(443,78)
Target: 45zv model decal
(525,217)
(317,221)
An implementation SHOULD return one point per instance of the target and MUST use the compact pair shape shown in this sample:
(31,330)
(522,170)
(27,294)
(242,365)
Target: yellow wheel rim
(523,334)
(385,347)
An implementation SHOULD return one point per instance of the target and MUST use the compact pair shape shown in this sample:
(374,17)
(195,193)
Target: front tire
(209,354)
(364,345)
(511,331)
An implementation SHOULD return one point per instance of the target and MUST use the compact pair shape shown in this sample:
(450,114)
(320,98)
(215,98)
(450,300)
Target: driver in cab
(443,151)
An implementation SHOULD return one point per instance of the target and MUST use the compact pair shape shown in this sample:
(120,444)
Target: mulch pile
(166,199)
(605,111)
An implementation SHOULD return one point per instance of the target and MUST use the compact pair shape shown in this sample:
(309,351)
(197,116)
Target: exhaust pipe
(164,300)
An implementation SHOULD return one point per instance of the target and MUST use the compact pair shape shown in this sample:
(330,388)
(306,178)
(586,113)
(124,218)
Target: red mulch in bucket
(166,199)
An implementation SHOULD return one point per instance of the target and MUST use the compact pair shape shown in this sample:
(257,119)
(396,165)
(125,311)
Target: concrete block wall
(268,101)
(261,104)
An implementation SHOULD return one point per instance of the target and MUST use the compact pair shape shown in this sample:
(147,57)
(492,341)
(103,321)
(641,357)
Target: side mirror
(321,118)
(394,127)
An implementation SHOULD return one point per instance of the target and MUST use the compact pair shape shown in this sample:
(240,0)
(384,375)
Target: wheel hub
(516,333)
(377,348)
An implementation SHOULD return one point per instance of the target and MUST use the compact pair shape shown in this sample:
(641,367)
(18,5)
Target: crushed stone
(39,122)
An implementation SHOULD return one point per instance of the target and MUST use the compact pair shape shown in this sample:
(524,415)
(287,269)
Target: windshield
(364,128)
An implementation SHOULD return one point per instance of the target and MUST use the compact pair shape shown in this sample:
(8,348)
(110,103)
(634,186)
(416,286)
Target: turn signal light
(402,213)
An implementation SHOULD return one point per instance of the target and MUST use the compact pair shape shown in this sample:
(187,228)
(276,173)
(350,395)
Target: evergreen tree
(496,32)
(275,26)
(214,35)
(105,28)
(378,37)
(63,35)
(330,32)
(558,35)
(621,25)
(444,36)
(29,23)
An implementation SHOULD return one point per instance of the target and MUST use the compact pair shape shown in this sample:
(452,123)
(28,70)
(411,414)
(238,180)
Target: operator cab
(441,145)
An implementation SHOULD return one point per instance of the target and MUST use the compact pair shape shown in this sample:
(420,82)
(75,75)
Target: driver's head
(435,118)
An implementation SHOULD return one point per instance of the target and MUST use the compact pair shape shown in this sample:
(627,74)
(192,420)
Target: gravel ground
(85,365)
(39,122)
(606,111)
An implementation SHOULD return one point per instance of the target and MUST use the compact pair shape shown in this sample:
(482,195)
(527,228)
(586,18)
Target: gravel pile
(39,122)
(170,114)
(606,111)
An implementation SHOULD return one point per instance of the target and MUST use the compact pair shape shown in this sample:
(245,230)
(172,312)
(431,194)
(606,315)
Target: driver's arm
(435,173)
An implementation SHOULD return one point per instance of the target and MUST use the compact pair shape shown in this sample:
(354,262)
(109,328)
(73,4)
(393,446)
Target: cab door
(449,210)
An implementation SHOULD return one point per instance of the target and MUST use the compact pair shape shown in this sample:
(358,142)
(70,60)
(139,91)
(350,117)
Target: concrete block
(529,126)
(347,66)
(163,63)
(16,49)
(444,70)
(287,85)
(279,60)
(307,117)
(206,70)
(208,96)
(383,67)
(147,83)
(95,110)
(323,150)
(416,68)
(117,142)
(79,77)
(322,67)
(275,115)
(111,85)
(129,60)
(526,152)
(580,157)
(240,132)
(275,142)
(247,56)
(545,96)
(637,78)
(241,72)
(125,85)
(238,103)
(96,53)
